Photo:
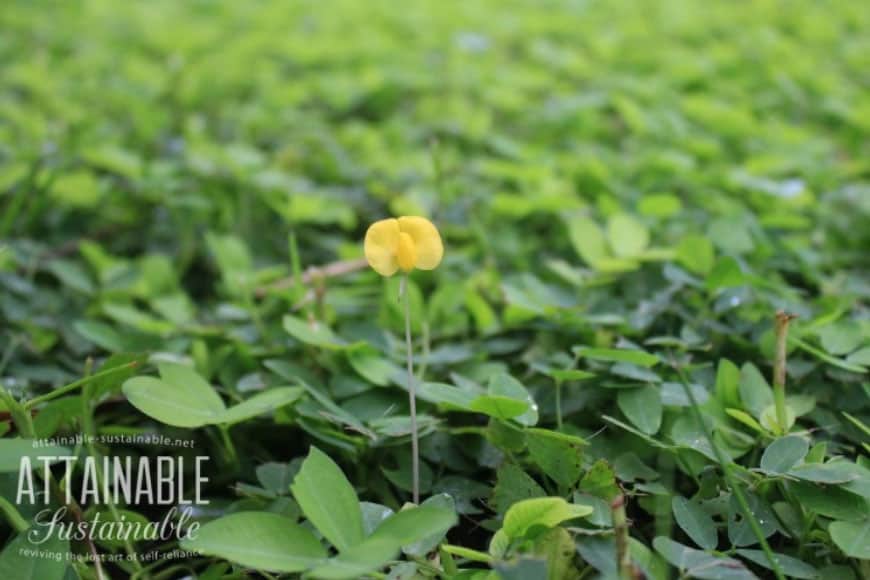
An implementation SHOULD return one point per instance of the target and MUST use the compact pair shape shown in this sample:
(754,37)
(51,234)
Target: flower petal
(407,254)
(381,245)
(427,240)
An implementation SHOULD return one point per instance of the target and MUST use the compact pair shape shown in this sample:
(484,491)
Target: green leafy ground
(627,189)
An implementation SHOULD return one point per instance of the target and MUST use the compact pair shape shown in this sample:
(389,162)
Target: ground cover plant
(644,353)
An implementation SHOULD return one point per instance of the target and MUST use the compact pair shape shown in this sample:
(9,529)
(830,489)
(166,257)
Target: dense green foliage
(628,193)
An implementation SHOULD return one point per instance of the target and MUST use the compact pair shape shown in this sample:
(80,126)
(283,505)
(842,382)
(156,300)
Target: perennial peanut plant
(404,244)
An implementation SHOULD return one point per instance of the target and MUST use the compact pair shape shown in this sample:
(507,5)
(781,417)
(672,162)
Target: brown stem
(331,270)
(779,364)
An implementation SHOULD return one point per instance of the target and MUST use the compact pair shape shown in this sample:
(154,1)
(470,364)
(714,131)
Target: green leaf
(791,567)
(830,473)
(650,563)
(731,234)
(167,403)
(404,528)
(13,450)
(686,433)
(186,378)
(259,540)
(446,504)
(740,531)
(637,357)
(643,407)
(313,333)
(784,453)
(101,334)
(181,398)
(110,383)
(697,523)
(71,274)
(627,236)
(570,374)
(726,274)
(853,538)
(697,564)
(588,240)
(276,477)
(846,365)
(372,366)
(449,396)
(728,383)
(600,481)
(660,205)
(746,419)
(23,559)
(328,500)
(234,261)
(841,338)
(503,385)
(415,524)
(264,402)
(77,189)
(357,561)
(696,254)
(558,455)
(502,408)
(556,546)
(131,317)
(830,501)
(859,358)
(542,511)
(769,421)
(755,393)
(513,485)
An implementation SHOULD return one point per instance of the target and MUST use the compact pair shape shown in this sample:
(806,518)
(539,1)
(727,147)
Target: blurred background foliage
(655,175)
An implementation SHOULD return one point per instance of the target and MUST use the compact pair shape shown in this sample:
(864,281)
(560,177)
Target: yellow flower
(403,244)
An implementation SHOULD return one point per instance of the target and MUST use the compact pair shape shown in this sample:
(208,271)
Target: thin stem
(90,432)
(24,423)
(7,354)
(782,320)
(725,464)
(248,299)
(230,447)
(412,392)
(13,516)
(558,405)
(620,527)
(76,384)
(447,562)
(421,371)
(333,269)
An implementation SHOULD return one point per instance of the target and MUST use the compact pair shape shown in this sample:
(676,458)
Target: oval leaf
(540,511)
(328,500)
(697,523)
(260,540)
(784,453)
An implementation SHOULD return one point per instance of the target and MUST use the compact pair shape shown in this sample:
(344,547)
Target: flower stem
(725,464)
(782,320)
(558,405)
(412,393)
(76,384)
